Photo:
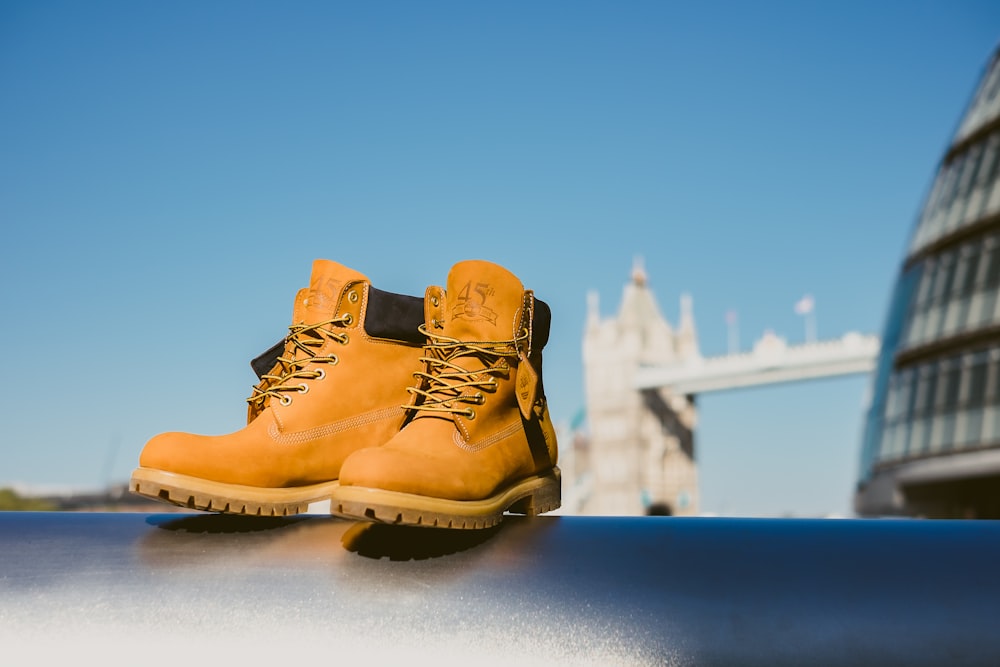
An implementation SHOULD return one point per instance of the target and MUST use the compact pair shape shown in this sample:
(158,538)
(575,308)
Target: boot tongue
(483,302)
(299,309)
(325,286)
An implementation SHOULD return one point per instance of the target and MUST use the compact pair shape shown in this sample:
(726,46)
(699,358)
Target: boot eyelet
(303,388)
(346,339)
(321,373)
(352,296)
(348,319)
(434,301)
(470,413)
(285,400)
(480,399)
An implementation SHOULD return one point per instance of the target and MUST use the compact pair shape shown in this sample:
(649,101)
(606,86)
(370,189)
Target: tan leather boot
(479,440)
(337,386)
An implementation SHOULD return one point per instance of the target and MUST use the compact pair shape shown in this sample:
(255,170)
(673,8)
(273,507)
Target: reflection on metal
(177,589)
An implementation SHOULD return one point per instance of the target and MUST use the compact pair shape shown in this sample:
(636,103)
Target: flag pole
(733,324)
(806,307)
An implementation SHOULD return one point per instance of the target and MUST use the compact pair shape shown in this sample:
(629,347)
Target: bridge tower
(641,442)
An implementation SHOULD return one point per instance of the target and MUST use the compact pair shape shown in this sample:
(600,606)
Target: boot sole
(532,496)
(203,494)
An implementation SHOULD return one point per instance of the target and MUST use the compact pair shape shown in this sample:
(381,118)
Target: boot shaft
(484,357)
(353,349)
(339,302)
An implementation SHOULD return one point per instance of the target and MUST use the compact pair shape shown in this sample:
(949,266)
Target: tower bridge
(641,377)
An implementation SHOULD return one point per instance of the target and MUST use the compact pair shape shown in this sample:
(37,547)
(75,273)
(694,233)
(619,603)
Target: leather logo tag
(471,303)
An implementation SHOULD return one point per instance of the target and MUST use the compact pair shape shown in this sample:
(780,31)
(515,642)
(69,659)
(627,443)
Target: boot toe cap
(172,452)
(410,472)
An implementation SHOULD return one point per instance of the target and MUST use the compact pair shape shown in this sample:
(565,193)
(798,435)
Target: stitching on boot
(492,439)
(357,421)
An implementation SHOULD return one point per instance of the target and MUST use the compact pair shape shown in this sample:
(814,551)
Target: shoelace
(304,339)
(445,383)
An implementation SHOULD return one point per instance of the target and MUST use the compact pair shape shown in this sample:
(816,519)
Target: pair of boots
(396,409)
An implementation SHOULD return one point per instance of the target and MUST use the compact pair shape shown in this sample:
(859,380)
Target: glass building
(931,444)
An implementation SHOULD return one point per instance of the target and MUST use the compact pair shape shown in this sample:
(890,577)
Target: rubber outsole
(206,495)
(532,496)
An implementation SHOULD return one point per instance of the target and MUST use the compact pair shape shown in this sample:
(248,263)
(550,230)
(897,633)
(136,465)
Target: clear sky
(168,172)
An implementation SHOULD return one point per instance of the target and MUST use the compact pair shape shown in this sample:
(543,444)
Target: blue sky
(168,172)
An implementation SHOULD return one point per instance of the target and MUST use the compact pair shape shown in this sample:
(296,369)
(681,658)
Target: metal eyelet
(352,296)
(285,400)
(347,339)
(434,301)
(303,388)
(480,399)
(348,319)
(470,413)
(321,373)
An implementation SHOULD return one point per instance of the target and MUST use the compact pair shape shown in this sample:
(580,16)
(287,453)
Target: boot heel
(547,496)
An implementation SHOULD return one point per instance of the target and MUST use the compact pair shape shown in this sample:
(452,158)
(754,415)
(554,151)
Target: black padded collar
(394,316)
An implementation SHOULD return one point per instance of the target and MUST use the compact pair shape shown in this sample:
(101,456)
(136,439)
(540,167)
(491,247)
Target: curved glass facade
(934,421)
(957,292)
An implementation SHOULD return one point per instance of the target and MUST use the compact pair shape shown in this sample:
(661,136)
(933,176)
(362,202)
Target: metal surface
(187,589)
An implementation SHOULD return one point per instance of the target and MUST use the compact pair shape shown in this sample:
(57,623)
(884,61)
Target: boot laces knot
(301,347)
(448,385)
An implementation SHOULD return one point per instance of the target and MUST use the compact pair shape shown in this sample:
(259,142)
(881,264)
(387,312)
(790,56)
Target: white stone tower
(641,447)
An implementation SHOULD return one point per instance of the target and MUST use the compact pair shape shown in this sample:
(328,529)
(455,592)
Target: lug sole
(203,494)
(532,496)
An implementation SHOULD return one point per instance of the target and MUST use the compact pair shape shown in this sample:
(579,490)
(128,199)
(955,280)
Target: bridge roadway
(770,362)
(201,589)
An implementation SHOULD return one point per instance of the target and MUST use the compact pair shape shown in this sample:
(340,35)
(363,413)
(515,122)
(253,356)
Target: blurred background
(680,181)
